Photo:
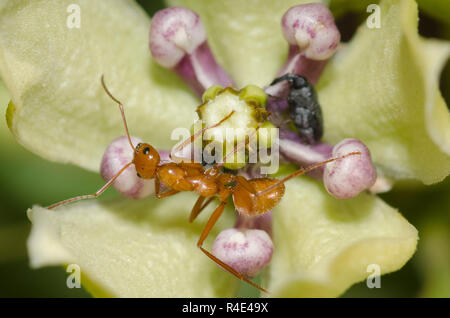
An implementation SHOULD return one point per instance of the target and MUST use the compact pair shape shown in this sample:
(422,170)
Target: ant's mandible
(251,197)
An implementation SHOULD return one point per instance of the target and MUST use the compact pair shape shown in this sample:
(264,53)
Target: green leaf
(59,109)
(245,36)
(128,248)
(324,245)
(383,89)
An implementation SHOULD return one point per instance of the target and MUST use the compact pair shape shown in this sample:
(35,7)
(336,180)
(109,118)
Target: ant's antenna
(90,196)
(198,133)
(121,110)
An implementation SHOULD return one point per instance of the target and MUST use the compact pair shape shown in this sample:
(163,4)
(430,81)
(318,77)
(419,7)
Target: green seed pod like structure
(249,113)
(211,93)
(265,134)
(253,93)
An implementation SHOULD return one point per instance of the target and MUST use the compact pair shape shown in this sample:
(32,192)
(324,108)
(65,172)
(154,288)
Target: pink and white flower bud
(312,29)
(117,155)
(174,33)
(178,42)
(313,37)
(246,250)
(347,177)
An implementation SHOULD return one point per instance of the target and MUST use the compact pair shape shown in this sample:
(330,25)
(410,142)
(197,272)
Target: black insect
(304,107)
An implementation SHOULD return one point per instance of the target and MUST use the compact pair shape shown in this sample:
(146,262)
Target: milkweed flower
(381,88)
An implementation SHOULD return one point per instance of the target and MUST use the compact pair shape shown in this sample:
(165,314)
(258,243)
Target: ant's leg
(198,207)
(167,194)
(303,171)
(209,225)
(245,184)
(90,196)
(157,185)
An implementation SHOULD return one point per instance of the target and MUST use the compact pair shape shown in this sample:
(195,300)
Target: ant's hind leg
(245,184)
(209,225)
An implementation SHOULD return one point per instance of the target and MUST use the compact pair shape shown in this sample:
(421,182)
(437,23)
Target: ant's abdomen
(247,203)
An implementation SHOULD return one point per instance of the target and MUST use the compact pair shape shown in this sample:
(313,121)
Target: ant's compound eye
(146,150)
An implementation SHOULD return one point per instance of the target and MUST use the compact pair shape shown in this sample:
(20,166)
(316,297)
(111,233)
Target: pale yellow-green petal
(245,36)
(127,248)
(383,89)
(324,245)
(52,72)
(4,99)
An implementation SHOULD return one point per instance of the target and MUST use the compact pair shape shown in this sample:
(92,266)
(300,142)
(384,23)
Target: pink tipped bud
(313,38)
(174,33)
(178,42)
(246,250)
(346,178)
(311,27)
(117,155)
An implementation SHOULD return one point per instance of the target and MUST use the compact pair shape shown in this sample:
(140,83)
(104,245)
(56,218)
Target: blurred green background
(27,179)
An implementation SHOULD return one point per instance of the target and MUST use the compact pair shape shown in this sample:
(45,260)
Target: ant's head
(146,159)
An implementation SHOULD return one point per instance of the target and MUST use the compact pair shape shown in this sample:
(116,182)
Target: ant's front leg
(165,194)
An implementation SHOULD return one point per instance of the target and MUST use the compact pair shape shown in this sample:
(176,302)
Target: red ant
(251,197)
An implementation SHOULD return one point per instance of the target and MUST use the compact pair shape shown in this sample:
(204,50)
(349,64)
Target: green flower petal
(245,36)
(127,248)
(383,89)
(324,245)
(52,72)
